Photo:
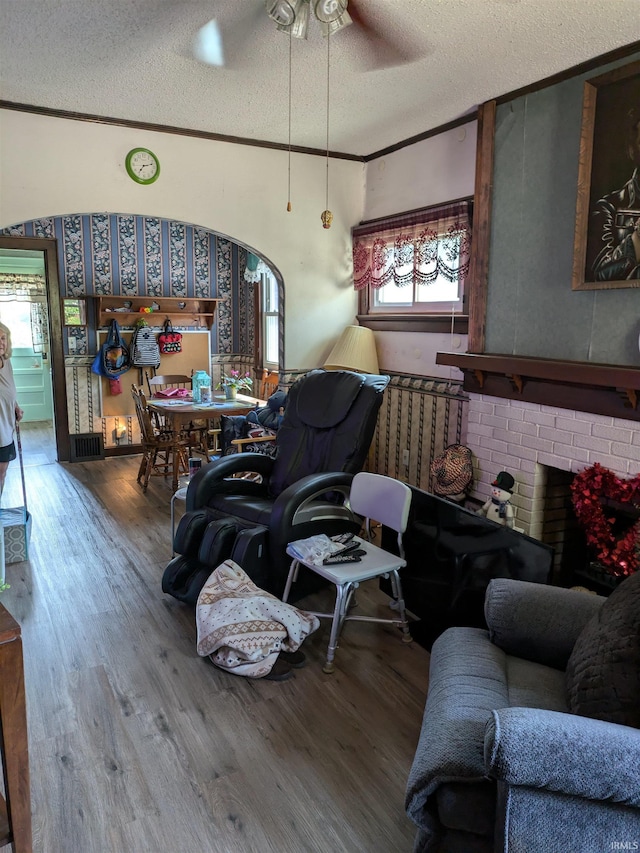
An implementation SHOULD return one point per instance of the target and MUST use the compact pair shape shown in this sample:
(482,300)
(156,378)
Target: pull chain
(327,216)
(289,156)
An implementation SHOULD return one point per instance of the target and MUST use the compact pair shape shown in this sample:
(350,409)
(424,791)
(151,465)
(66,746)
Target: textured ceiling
(131,59)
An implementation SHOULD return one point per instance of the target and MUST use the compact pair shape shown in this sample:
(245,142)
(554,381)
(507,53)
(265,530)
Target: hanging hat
(452,472)
(504,481)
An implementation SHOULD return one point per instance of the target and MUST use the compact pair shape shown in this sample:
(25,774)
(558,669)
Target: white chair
(376,498)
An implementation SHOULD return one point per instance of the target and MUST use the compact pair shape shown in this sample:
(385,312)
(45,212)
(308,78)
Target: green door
(31,370)
(33,383)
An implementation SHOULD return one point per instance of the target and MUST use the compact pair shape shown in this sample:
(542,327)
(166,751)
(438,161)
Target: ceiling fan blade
(222,40)
(386,49)
(207,44)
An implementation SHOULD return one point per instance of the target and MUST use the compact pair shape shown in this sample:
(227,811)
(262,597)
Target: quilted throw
(243,628)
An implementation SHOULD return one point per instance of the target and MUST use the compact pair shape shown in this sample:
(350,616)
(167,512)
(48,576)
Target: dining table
(179,413)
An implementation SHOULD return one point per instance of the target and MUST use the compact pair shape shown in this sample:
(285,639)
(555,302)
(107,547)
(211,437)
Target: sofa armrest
(537,622)
(564,753)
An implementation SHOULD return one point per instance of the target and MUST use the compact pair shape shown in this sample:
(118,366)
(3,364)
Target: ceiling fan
(296,17)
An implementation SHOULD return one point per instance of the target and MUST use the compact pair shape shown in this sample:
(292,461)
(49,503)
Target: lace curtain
(38,326)
(413,248)
(22,288)
(16,287)
(254,269)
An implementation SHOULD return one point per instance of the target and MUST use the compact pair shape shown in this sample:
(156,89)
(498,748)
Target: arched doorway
(98,254)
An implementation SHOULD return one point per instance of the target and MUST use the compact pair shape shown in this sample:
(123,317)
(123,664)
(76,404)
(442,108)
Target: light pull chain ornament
(327,216)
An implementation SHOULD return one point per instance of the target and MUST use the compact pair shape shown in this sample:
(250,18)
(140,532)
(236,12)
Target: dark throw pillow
(603,673)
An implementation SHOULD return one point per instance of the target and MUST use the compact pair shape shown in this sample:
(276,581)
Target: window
(269,299)
(414,263)
(17,316)
(267,307)
(74,312)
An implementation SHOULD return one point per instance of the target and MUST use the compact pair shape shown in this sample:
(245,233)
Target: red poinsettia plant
(589,489)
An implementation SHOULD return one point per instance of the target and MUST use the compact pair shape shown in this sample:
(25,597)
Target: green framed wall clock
(142,165)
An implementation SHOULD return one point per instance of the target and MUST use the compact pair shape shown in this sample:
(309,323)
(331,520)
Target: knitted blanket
(243,628)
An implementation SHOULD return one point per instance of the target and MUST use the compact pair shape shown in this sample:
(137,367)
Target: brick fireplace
(528,440)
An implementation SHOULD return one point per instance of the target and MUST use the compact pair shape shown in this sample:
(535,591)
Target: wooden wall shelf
(598,388)
(181,312)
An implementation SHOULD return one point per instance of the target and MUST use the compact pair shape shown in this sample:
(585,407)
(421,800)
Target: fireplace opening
(561,529)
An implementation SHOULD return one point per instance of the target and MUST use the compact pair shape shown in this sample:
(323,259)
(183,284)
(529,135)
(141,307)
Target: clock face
(142,165)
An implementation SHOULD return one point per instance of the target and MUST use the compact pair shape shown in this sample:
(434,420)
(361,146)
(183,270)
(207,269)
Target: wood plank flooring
(137,745)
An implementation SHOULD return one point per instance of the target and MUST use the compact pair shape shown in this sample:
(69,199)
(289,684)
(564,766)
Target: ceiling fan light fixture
(283,12)
(299,27)
(327,11)
(334,26)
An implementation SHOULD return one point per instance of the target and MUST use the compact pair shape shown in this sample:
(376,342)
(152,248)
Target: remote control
(346,549)
(342,538)
(337,559)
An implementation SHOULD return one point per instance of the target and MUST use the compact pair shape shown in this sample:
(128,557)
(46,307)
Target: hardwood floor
(137,745)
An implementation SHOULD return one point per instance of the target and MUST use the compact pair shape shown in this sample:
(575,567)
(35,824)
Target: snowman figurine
(498,508)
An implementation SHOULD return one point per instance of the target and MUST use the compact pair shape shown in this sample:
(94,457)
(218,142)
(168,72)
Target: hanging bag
(113,359)
(145,351)
(168,340)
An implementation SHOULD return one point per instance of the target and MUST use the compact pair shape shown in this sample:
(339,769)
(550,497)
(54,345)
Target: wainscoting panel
(419,417)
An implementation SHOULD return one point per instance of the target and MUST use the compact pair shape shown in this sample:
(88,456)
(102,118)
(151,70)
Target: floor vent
(86,446)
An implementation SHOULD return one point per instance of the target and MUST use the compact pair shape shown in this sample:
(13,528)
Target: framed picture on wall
(607,236)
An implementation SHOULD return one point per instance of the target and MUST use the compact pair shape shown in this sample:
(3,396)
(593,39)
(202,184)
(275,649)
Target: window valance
(22,288)
(413,248)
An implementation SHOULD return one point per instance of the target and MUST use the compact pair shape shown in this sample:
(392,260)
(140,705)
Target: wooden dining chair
(163,454)
(199,434)
(162,382)
(269,383)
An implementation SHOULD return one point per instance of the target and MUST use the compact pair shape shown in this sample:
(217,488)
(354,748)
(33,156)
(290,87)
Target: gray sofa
(502,764)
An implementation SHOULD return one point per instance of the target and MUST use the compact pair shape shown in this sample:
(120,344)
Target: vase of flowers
(233,382)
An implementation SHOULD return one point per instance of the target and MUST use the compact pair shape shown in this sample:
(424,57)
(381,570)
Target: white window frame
(401,249)
(269,312)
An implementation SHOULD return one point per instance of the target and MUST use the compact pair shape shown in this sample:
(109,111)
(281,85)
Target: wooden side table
(15,812)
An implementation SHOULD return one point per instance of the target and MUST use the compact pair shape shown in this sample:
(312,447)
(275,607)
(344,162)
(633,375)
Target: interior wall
(109,254)
(531,309)
(435,170)
(53,167)
(438,169)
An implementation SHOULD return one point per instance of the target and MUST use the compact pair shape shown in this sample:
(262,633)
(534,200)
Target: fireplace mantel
(599,388)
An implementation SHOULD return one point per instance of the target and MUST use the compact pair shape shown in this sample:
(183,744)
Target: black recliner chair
(322,442)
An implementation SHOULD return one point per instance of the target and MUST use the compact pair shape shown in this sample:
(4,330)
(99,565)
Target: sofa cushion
(603,673)
(537,622)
